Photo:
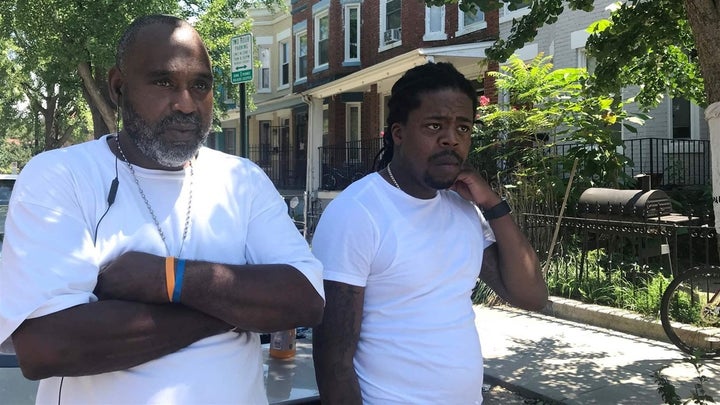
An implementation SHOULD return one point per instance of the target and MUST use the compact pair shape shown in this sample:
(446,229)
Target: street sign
(241,59)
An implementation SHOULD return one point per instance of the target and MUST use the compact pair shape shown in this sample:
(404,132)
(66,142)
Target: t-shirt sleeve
(43,269)
(488,234)
(344,240)
(274,238)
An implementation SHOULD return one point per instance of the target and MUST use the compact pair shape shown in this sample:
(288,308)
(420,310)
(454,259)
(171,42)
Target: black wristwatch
(501,209)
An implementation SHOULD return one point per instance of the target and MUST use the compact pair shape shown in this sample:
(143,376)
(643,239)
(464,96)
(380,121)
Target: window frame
(383,26)
(506,15)
(434,35)
(348,128)
(230,134)
(475,26)
(347,31)
(298,63)
(283,64)
(264,71)
(319,65)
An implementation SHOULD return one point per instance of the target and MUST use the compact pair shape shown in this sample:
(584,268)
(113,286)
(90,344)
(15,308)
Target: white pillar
(314,141)
(712,115)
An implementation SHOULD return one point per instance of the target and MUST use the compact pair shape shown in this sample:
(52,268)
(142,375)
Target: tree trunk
(100,107)
(704,18)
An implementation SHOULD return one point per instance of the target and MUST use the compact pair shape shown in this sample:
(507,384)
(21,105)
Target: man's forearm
(107,336)
(518,276)
(239,295)
(336,379)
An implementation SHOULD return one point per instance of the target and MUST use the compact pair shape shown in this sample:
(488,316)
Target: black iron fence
(670,162)
(286,168)
(674,246)
(343,163)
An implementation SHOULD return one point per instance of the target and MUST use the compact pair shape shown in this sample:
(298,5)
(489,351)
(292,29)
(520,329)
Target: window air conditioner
(392,35)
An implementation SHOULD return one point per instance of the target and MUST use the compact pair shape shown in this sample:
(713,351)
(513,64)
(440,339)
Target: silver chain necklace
(149,207)
(392,177)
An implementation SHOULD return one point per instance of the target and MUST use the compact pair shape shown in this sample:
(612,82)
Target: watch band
(499,210)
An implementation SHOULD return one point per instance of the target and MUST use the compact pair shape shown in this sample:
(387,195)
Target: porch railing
(285,168)
(343,163)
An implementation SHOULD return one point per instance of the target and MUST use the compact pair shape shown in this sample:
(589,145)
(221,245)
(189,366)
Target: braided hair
(405,97)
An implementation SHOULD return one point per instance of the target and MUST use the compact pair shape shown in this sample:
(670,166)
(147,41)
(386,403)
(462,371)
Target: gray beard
(149,141)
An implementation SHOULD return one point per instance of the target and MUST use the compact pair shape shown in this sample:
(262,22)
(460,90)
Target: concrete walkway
(561,361)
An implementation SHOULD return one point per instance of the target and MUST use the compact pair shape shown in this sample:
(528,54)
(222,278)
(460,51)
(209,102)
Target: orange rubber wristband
(170,276)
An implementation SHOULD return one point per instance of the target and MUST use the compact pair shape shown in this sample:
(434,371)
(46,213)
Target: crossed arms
(132,323)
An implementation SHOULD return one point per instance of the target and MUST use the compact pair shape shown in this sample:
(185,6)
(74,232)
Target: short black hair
(132,30)
(406,92)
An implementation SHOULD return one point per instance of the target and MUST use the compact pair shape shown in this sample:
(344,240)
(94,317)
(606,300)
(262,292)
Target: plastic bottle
(282,344)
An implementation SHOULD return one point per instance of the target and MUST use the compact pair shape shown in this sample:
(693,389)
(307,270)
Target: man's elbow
(534,302)
(37,365)
(314,311)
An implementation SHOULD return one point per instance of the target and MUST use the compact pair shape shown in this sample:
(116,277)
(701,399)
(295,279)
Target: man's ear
(115,83)
(397,133)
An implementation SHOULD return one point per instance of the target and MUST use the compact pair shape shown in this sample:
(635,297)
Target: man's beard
(151,143)
(442,184)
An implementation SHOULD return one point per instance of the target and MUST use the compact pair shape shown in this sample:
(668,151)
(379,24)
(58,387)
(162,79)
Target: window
(520,10)
(681,118)
(584,62)
(322,34)
(392,14)
(470,21)
(353,132)
(390,22)
(227,96)
(352,33)
(301,50)
(264,76)
(325,124)
(284,58)
(264,158)
(229,135)
(434,24)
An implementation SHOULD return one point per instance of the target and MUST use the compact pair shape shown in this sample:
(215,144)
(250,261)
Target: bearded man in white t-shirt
(402,249)
(137,268)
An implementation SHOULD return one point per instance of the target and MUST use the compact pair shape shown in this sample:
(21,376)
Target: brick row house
(327,68)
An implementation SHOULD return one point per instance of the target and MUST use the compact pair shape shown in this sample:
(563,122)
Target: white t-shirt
(418,261)
(50,261)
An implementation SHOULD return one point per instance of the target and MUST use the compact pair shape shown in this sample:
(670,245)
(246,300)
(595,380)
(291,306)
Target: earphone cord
(60,389)
(110,200)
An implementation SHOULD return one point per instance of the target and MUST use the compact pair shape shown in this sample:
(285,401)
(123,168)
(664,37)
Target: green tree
(658,46)
(549,123)
(60,51)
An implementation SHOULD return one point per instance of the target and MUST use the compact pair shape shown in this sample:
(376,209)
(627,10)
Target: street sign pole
(243,122)
(241,64)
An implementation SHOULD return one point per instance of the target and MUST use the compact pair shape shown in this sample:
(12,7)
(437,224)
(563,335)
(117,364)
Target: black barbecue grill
(625,205)
(644,217)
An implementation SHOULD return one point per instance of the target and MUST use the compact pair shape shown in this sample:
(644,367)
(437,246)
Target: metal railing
(675,246)
(670,162)
(343,163)
(285,169)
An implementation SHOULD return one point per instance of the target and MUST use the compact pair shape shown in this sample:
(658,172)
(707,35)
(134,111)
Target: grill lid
(624,203)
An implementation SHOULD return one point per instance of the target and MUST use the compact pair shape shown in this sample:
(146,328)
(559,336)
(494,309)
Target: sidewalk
(566,362)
